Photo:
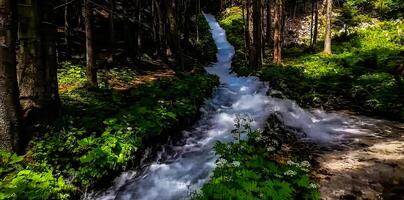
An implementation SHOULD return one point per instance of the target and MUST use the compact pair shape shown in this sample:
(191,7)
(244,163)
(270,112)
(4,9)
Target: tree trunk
(278,32)
(327,40)
(250,34)
(112,29)
(314,25)
(30,69)
(48,34)
(91,71)
(173,33)
(67,30)
(9,107)
(257,18)
(269,25)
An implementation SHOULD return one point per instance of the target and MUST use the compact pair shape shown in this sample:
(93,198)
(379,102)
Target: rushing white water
(183,167)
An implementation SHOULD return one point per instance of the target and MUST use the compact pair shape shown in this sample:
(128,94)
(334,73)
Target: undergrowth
(360,75)
(101,132)
(247,169)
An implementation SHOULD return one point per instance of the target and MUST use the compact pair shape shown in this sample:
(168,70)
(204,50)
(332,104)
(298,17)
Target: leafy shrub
(245,171)
(28,184)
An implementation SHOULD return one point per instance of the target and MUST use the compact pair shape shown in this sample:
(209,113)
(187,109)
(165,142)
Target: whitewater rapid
(182,167)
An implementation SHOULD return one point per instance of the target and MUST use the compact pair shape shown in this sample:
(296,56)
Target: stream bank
(366,160)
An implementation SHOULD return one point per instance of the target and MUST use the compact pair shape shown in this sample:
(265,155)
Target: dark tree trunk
(257,18)
(91,71)
(10,126)
(112,29)
(269,25)
(48,34)
(67,30)
(314,24)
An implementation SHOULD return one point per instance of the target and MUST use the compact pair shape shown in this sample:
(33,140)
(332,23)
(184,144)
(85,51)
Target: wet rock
(276,94)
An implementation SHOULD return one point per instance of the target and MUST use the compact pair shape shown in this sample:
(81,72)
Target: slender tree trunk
(173,33)
(112,29)
(250,34)
(67,30)
(91,71)
(245,28)
(327,40)
(269,25)
(10,121)
(278,32)
(198,12)
(314,24)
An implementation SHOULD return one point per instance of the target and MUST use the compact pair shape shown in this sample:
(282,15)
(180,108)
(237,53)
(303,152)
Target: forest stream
(357,153)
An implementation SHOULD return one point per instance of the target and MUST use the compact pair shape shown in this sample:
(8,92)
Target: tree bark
(257,26)
(10,121)
(48,34)
(250,34)
(327,40)
(112,29)
(269,25)
(277,55)
(91,71)
(314,24)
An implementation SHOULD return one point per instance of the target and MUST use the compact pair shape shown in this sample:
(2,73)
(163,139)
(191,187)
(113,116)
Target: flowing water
(182,167)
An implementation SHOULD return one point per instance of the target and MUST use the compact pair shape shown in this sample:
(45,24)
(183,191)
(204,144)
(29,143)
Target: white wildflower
(305,164)
(270,149)
(221,162)
(290,173)
(129,128)
(278,176)
(313,186)
(236,163)
(290,163)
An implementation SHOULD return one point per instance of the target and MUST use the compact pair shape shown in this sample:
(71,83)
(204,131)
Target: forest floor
(369,166)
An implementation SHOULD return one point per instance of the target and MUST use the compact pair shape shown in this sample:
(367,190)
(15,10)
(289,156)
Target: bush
(245,171)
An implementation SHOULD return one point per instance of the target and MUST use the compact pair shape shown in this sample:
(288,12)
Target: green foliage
(29,184)
(9,162)
(71,75)
(245,171)
(231,20)
(379,8)
(101,133)
(206,44)
(360,71)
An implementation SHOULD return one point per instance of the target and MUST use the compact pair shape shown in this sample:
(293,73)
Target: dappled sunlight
(362,165)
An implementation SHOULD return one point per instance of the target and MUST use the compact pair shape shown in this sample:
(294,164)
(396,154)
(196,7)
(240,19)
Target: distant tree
(327,40)
(277,47)
(269,24)
(314,24)
(91,71)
